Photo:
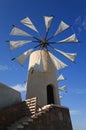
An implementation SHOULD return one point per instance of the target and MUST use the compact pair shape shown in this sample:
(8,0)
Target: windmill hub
(44,43)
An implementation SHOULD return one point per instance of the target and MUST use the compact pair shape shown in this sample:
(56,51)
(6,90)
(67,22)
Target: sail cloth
(72,38)
(27,22)
(18,32)
(58,63)
(60,96)
(39,64)
(60,78)
(22,58)
(70,56)
(63,88)
(16,44)
(62,26)
(48,21)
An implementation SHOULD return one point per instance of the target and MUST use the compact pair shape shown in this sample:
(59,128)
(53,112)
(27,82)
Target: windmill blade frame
(57,63)
(60,78)
(44,42)
(48,21)
(63,88)
(19,43)
(62,27)
(27,22)
(71,38)
(70,56)
(19,32)
(22,58)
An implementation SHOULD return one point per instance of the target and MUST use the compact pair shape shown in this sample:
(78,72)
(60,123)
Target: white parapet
(8,96)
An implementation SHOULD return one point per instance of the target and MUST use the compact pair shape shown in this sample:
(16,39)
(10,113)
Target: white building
(42,82)
(8,96)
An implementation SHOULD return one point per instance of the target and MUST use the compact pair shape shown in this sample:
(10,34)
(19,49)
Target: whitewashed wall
(8,96)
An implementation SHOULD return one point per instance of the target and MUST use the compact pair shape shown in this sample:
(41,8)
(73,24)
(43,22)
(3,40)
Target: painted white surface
(8,96)
(38,81)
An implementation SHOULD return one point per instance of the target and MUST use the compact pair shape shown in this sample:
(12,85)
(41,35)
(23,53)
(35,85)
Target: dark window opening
(50,95)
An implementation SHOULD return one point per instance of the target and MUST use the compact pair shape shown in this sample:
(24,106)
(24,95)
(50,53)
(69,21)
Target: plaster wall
(8,96)
(38,81)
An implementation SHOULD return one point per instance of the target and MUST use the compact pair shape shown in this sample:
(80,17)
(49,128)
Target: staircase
(32,105)
(18,115)
(27,115)
(28,122)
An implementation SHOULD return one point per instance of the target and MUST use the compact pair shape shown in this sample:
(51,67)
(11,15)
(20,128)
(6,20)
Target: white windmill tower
(42,81)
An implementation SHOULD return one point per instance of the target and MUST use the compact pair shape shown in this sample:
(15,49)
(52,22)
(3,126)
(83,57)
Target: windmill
(43,44)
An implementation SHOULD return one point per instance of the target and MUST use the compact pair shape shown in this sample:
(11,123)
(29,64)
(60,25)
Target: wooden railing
(32,105)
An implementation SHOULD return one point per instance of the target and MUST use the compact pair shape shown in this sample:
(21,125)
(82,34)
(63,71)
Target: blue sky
(72,12)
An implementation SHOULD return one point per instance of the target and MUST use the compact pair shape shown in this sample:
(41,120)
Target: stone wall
(49,117)
(56,118)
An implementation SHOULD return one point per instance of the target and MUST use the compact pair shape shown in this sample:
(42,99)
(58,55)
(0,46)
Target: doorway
(50,95)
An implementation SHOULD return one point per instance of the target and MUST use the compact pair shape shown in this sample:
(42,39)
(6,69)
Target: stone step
(33,112)
(25,119)
(20,127)
(31,104)
(10,128)
(25,123)
(31,107)
(30,120)
(34,98)
(30,100)
(16,126)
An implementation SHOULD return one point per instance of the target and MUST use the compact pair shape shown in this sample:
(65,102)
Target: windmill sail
(18,32)
(60,78)
(48,21)
(62,26)
(27,22)
(60,97)
(63,88)
(58,63)
(43,43)
(16,44)
(39,64)
(70,56)
(22,58)
(72,38)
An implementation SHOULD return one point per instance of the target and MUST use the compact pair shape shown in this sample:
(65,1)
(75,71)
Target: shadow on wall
(8,96)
